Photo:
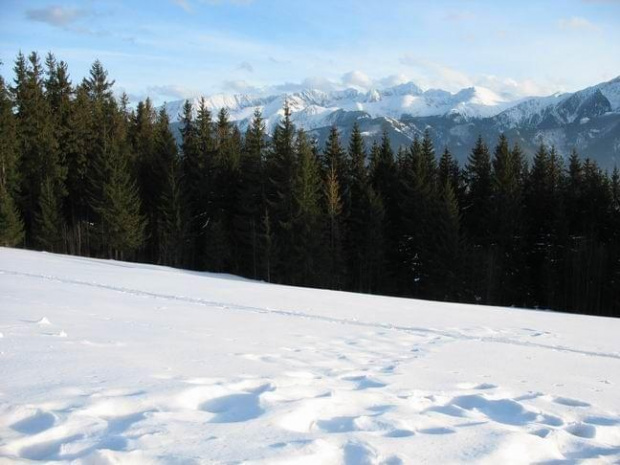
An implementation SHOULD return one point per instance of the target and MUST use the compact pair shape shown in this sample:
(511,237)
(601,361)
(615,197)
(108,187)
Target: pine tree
(122,224)
(150,172)
(419,207)
(97,84)
(11,225)
(335,158)
(444,272)
(249,221)
(478,221)
(506,270)
(190,174)
(356,222)
(544,213)
(384,181)
(306,224)
(281,166)
(478,195)
(448,171)
(171,207)
(40,159)
(375,244)
(9,154)
(222,240)
(77,155)
(49,221)
(333,202)
(103,128)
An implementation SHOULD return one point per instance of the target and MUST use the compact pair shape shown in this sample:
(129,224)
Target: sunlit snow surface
(106,362)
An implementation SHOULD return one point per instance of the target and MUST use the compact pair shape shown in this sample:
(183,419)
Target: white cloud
(175,92)
(183,4)
(429,74)
(57,16)
(240,86)
(577,23)
(393,80)
(356,78)
(246,66)
(459,16)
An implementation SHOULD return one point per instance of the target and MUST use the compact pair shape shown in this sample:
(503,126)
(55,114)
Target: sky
(176,49)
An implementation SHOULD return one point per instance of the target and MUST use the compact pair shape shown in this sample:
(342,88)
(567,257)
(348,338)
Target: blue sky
(171,49)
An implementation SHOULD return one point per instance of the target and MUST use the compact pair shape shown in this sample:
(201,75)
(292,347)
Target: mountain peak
(406,88)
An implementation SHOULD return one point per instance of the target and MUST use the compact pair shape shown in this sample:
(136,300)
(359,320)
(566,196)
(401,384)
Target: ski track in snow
(245,308)
(333,401)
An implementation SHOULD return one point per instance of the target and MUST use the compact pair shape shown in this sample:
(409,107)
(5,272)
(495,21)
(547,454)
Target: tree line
(81,172)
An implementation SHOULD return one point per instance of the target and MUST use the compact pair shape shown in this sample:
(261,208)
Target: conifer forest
(84,173)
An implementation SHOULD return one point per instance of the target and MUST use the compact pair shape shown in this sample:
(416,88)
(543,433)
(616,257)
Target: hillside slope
(106,362)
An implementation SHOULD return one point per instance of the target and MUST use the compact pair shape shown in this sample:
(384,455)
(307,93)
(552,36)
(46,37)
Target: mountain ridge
(587,120)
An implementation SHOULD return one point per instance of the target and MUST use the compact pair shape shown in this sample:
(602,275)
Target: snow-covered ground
(105,362)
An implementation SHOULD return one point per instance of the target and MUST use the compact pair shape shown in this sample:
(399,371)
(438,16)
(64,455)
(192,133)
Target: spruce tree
(281,166)
(150,172)
(356,222)
(11,225)
(444,270)
(40,159)
(448,171)
(249,221)
(306,224)
(122,224)
(222,240)
(478,195)
(171,209)
(477,220)
(103,129)
(384,180)
(48,218)
(9,153)
(544,226)
(335,158)
(80,132)
(506,270)
(333,203)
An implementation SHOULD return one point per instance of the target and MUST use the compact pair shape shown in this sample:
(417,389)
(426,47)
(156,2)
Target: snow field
(107,362)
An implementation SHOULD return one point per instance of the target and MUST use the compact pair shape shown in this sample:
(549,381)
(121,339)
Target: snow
(169,366)
(313,108)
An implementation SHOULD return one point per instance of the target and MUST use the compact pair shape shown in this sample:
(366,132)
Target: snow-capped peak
(312,108)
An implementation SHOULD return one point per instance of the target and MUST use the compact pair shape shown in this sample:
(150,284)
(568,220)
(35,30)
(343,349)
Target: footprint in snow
(570,402)
(35,423)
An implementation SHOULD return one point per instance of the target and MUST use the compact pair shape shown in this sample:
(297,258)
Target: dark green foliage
(9,150)
(171,206)
(306,222)
(85,173)
(281,169)
(384,182)
(250,216)
(122,225)
(49,227)
(478,194)
(40,158)
(11,225)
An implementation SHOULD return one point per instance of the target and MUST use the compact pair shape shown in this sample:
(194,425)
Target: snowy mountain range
(588,120)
